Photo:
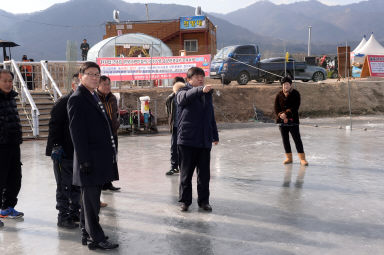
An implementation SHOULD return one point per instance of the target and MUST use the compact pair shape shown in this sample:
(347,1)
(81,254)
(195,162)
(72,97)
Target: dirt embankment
(238,103)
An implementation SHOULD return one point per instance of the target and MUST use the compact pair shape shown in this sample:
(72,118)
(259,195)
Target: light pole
(309,40)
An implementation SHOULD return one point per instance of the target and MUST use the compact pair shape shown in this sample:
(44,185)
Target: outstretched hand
(207,88)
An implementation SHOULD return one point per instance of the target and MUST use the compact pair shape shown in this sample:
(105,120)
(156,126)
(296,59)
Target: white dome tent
(106,47)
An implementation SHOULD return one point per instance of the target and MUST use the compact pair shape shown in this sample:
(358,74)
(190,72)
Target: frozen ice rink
(333,206)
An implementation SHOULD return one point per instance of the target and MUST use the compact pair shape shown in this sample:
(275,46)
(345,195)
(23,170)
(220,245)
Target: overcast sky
(220,6)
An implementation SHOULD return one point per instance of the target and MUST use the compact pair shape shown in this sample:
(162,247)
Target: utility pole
(309,40)
(146,11)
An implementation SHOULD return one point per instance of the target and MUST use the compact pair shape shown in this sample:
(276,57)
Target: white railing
(45,76)
(25,95)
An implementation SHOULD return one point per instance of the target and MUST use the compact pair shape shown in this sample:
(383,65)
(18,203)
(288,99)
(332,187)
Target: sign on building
(128,69)
(193,22)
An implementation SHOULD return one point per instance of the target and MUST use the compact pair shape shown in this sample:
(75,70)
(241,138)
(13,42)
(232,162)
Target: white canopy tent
(371,47)
(361,44)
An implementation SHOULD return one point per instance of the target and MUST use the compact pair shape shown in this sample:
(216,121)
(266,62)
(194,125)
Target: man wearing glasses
(94,160)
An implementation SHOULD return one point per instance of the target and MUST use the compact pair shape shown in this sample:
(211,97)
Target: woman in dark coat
(287,103)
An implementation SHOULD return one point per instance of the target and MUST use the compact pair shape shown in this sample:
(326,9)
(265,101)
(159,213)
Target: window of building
(191,45)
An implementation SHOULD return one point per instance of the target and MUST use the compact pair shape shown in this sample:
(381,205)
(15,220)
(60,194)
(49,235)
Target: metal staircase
(34,106)
(44,103)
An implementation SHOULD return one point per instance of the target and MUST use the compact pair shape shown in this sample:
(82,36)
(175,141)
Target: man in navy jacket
(94,161)
(196,132)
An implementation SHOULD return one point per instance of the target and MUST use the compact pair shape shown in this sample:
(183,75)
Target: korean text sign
(193,22)
(126,69)
(376,65)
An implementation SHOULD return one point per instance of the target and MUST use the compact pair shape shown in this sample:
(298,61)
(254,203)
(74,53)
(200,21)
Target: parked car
(309,72)
(314,73)
(242,63)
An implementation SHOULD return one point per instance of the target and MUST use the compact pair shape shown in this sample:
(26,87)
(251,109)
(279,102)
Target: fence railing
(21,86)
(46,77)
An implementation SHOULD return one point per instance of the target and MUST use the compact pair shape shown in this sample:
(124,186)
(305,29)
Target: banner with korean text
(373,66)
(128,69)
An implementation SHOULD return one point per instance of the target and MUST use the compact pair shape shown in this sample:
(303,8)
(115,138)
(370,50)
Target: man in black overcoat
(60,149)
(95,152)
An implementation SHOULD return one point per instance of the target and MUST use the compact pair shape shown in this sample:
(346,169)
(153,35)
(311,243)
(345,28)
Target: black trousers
(174,153)
(191,158)
(10,175)
(90,208)
(295,133)
(29,80)
(109,184)
(67,195)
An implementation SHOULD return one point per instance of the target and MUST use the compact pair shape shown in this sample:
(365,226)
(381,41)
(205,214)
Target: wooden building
(196,35)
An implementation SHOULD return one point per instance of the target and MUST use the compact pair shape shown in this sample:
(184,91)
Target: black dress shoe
(85,239)
(113,188)
(105,245)
(68,224)
(206,207)
(75,218)
(184,207)
(109,186)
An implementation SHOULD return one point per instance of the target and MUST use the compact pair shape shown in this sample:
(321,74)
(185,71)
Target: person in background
(10,140)
(94,162)
(26,71)
(110,104)
(60,149)
(84,50)
(171,109)
(197,131)
(287,103)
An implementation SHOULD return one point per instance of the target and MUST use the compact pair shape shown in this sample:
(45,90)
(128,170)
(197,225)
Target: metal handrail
(46,74)
(25,94)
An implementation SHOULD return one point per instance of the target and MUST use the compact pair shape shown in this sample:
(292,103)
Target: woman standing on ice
(287,105)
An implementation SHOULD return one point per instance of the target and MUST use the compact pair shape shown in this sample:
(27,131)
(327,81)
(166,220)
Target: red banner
(126,69)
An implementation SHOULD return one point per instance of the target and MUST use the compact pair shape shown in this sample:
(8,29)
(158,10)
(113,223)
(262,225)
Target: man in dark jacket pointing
(94,161)
(196,132)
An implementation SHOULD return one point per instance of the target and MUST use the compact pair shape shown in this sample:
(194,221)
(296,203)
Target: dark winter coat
(110,104)
(288,105)
(10,127)
(91,137)
(171,108)
(196,118)
(59,134)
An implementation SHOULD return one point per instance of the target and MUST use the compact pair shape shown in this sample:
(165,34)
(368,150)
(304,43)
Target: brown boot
(302,159)
(288,160)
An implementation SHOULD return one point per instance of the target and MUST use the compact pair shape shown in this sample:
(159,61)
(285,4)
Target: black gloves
(57,153)
(85,168)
